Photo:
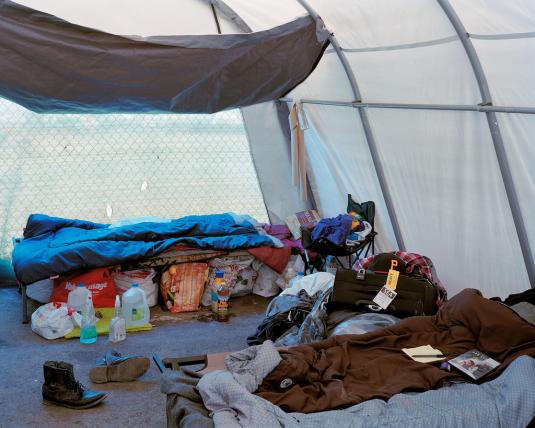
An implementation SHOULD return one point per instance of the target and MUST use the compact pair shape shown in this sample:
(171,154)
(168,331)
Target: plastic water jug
(135,307)
(78,297)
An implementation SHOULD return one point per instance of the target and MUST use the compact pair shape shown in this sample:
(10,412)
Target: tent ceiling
(409,52)
(130,17)
(443,167)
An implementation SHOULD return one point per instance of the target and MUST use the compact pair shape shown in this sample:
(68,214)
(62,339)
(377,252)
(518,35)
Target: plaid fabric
(416,265)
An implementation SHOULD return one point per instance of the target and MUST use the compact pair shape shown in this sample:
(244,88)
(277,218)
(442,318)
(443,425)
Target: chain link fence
(107,167)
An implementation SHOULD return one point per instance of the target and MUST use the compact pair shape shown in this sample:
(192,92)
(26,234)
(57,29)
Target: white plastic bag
(314,283)
(266,281)
(54,320)
(238,275)
(294,266)
(364,323)
(145,280)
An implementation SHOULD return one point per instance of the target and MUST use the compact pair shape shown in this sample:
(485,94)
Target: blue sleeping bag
(53,246)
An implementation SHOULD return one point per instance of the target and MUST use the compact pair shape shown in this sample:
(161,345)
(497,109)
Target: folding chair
(323,247)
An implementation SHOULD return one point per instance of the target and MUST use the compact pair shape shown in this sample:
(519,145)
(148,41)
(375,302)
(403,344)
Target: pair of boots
(63,389)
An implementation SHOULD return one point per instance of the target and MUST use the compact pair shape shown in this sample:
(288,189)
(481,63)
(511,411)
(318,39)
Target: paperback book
(474,363)
(303,218)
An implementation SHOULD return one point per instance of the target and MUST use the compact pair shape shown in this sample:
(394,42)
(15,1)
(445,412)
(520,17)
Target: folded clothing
(276,258)
(334,229)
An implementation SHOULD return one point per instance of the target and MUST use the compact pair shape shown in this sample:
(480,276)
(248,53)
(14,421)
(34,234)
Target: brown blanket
(349,369)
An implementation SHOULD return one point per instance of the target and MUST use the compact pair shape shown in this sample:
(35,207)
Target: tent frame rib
(214,13)
(370,139)
(416,106)
(232,15)
(227,11)
(499,146)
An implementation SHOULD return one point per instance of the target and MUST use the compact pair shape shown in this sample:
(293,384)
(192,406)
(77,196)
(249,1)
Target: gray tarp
(50,65)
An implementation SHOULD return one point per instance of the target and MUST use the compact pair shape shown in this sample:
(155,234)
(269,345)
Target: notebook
(424,354)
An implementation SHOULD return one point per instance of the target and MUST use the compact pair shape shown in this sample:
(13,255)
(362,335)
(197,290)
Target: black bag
(356,290)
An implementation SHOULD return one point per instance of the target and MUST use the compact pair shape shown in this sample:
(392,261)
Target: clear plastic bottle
(223,297)
(77,298)
(136,310)
(88,329)
(218,280)
(117,324)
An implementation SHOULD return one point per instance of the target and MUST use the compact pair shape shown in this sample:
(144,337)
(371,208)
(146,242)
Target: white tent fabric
(126,17)
(271,155)
(440,167)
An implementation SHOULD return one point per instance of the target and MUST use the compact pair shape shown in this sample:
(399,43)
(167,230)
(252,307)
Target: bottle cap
(301,273)
(81,284)
(135,284)
(219,273)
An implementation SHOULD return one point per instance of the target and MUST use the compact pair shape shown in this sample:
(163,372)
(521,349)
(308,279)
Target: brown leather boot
(62,389)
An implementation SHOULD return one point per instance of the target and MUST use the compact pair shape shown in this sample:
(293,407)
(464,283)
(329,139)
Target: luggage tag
(387,294)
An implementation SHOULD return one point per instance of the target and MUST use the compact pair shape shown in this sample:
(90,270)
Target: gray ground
(135,404)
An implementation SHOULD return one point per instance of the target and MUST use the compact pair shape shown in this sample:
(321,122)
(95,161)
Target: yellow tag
(392,279)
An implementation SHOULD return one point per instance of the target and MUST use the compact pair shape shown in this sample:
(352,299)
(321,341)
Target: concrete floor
(134,404)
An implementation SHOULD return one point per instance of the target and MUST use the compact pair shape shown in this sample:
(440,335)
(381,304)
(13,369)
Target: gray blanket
(507,401)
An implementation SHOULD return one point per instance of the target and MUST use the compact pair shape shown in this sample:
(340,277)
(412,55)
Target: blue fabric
(53,246)
(334,229)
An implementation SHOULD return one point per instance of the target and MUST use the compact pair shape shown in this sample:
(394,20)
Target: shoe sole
(84,406)
(126,371)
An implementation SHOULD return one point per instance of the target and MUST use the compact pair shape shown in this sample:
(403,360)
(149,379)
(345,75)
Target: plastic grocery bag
(54,320)
(364,323)
(295,265)
(99,281)
(266,281)
(238,274)
(144,278)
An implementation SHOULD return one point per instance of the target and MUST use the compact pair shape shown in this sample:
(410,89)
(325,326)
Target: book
(306,218)
(474,363)
(424,354)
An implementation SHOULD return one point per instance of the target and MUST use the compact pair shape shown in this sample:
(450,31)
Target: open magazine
(474,363)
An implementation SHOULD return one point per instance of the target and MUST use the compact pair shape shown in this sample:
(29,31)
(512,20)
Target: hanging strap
(299,174)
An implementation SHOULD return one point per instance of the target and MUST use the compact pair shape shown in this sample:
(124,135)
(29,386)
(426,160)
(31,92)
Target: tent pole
(367,129)
(497,140)
(214,13)
(409,106)
(230,14)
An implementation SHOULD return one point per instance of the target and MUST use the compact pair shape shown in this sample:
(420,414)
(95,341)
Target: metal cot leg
(25,319)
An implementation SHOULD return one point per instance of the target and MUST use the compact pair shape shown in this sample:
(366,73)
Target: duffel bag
(356,290)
